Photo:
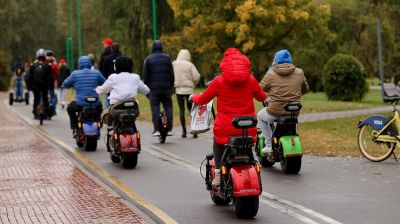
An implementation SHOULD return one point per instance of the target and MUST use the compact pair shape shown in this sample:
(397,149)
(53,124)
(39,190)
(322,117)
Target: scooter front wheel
(217,199)
(246,207)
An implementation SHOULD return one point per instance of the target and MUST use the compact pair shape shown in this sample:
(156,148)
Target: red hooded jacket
(235,89)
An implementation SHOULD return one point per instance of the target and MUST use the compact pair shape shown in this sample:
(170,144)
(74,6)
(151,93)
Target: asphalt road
(327,190)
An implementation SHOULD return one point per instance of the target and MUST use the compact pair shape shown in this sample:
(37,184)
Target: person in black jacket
(108,66)
(38,80)
(158,75)
(63,75)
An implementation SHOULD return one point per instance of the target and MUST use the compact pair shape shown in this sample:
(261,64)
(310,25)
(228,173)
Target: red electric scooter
(240,172)
(123,141)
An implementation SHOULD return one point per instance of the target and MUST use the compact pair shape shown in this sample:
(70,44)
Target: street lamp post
(380,55)
(71,34)
(78,21)
(153,4)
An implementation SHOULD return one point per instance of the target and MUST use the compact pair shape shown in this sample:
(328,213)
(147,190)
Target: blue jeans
(106,101)
(19,87)
(264,120)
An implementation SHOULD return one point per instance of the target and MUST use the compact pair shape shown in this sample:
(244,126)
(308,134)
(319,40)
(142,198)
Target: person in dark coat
(158,75)
(108,66)
(38,80)
(63,75)
(107,50)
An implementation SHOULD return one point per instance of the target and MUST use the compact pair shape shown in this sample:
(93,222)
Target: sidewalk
(39,184)
(309,117)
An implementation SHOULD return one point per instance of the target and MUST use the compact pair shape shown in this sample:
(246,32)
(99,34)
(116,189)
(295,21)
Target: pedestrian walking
(186,78)
(63,75)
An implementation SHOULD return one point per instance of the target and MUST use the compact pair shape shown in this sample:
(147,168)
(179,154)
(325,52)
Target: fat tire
(246,207)
(129,160)
(90,143)
(291,165)
(162,138)
(218,200)
(265,162)
(11,99)
(115,158)
(27,98)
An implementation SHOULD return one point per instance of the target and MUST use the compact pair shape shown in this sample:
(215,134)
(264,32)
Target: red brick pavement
(38,184)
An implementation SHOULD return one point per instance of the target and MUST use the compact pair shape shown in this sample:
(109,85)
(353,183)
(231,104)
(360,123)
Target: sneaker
(194,135)
(169,133)
(216,182)
(266,150)
(183,135)
(155,134)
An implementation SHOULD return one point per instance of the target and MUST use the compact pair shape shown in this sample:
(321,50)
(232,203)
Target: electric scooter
(88,129)
(286,144)
(163,127)
(240,172)
(123,140)
(19,96)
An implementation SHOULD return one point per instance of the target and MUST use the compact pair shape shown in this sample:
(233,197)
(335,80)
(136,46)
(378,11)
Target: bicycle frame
(380,124)
(388,138)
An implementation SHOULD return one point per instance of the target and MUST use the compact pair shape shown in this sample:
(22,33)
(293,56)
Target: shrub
(344,78)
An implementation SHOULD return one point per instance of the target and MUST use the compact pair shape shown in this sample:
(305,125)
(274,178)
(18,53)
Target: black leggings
(218,151)
(181,102)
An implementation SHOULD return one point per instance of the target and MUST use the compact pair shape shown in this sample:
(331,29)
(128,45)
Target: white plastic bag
(201,116)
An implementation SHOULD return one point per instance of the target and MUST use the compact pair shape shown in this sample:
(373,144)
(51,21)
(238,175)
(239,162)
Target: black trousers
(73,110)
(40,94)
(218,151)
(155,100)
(182,99)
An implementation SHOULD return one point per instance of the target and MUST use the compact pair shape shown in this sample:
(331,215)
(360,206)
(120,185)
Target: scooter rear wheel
(291,165)
(129,160)
(246,207)
(90,143)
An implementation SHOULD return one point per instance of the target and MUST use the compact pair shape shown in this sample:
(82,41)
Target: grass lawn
(336,137)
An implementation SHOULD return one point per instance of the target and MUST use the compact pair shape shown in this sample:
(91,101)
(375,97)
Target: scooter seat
(239,140)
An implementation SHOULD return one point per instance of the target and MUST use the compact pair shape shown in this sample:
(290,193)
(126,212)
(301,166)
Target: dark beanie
(123,64)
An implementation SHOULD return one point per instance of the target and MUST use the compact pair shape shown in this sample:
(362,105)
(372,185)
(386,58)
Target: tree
(257,28)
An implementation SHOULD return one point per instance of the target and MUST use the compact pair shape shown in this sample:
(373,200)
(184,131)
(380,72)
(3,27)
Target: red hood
(235,67)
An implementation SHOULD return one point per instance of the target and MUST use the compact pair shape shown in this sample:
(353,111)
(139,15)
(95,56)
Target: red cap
(62,61)
(107,41)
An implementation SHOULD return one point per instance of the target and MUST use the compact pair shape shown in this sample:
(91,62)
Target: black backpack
(40,73)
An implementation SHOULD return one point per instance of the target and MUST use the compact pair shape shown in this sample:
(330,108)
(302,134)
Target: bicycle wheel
(371,149)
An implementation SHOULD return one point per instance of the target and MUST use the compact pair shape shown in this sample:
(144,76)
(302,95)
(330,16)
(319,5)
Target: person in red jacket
(235,89)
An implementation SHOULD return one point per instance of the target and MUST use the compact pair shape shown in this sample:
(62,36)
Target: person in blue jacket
(84,80)
(158,75)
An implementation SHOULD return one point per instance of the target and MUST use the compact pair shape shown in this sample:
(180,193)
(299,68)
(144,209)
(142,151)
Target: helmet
(41,53)
(123,64)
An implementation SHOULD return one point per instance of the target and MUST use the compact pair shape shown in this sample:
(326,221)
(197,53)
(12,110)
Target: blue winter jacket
(84,81)
(158,73)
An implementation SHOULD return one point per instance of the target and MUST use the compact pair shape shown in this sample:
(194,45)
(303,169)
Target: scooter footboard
(291,146)
(245,180)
